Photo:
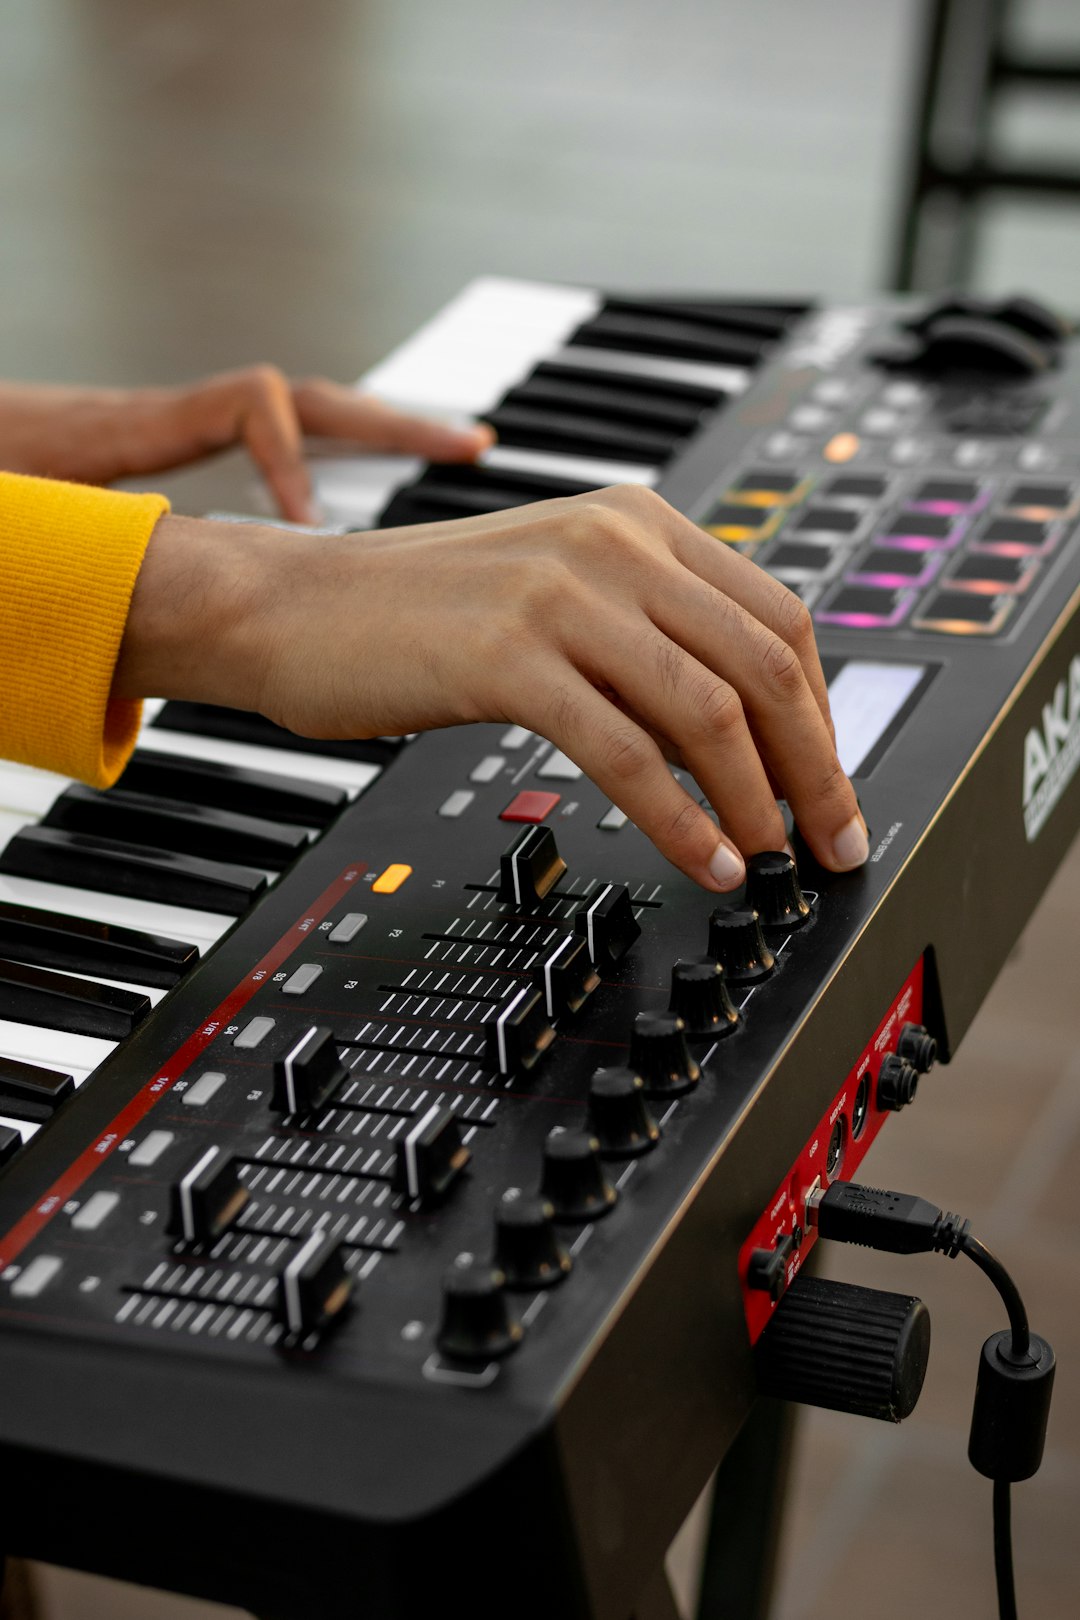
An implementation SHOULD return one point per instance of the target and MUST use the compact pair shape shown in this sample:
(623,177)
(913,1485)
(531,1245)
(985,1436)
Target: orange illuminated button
(529,806)
(842,447)
(390,881)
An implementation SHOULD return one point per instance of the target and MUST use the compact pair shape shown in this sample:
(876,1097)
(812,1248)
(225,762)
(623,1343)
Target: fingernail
(726,868)
(851,845)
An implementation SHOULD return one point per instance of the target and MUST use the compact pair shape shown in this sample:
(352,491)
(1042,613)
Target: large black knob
(566,978)
(308,1074)
(429,1157)
(527,1247)
(772,889)
(917,1047)
(207,1198)
(477,1323)
(850,1349)
(700,997)
(608,925)
(573,1179)
(530,868)
(519,1032)
(618,1115)
(659,1053)
(897,1083)
(314,1286)
(737,943)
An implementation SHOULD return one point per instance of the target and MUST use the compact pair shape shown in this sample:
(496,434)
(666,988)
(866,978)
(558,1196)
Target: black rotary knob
(659,1053)
(897,1083)
(851,1349)
(619,1115)
(917,1047)
(477,1322)
(700,997)
(573,1179)
(737,943)
(527,1246)
(772,889)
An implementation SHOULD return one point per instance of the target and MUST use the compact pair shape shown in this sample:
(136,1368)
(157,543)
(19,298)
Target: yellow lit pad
(390,881)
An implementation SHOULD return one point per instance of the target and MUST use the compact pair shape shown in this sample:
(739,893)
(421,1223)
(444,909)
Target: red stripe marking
(71,1179)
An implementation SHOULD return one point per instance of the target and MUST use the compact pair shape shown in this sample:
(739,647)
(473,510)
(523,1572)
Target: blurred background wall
(187,185)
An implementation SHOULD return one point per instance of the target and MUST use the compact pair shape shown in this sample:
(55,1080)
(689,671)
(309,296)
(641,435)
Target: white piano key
(52,1048)
(29,792)
(582,469)
(354,775)
(201,928)
(655,367)
(354,489)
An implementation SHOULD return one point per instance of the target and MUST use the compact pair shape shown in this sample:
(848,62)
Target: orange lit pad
(390,881)
(530,806)
(955,613)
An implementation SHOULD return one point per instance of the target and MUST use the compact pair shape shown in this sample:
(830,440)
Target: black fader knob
(314,1286)
(619,1116)
(430,1157)
(699,996)
(850,1349)
(530,868)
(309,1073)
(660,1055)
(519,1032)
(918,1047)
(527,1247)
(207,1198)
(737,943)
(897,1083)
(566,978)
(477,1322)
(573,1180)
(772,889)
(608,924)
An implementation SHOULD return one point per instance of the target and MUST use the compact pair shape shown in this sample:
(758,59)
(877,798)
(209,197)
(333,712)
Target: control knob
(573,1179)
(619,1116)
(700,997)
(660,1055)
(430,1157)
(530,868)
(772,889)
(737,943)
(519,1032)
(477,1323)
(307,1076)
(567,978)
(608,924)
(207,1198)
(314,1286)
(527,1246)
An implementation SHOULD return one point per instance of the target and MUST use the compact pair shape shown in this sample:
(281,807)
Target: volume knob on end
(659,1053)
(772,889)
(477,1323)
(527,1246)
(737,943)
(619,1116)
(700,998)
(573,1179)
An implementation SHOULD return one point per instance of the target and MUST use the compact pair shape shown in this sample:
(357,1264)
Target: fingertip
(850,846)
(726,868)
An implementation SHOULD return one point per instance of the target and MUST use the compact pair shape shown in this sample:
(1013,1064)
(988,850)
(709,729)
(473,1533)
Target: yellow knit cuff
(69,555)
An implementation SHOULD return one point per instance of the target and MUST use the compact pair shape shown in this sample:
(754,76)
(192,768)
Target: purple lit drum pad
(963,613)
(994,575)
(887,566)
(860,607)
(1017,537)
(948,495)
(922,531)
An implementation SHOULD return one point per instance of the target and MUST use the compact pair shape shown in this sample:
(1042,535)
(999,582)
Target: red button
(530,806)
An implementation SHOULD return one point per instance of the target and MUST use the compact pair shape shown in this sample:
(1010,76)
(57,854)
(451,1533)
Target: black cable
(1003,1553)
(1010,1294)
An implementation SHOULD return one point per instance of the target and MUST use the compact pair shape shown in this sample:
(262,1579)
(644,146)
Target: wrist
(199,627)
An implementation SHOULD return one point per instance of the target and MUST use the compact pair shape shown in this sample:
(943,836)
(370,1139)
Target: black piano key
(189,829)
(78,945)
(233,787)
(53,856)
(10,1143)
(30,1093)
(30,995)
(673,339)
(464,491)
(563,433)
(535,486)
(658,391)
(240,725)
(583,395)
(767,320)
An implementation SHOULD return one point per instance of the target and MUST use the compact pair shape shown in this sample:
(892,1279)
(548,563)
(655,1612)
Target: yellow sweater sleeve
(69,555)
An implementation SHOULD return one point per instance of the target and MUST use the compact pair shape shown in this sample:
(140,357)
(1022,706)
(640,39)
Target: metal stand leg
(739,1569)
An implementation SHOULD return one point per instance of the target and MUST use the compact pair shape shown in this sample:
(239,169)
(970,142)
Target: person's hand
(607,623)
(97,435)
